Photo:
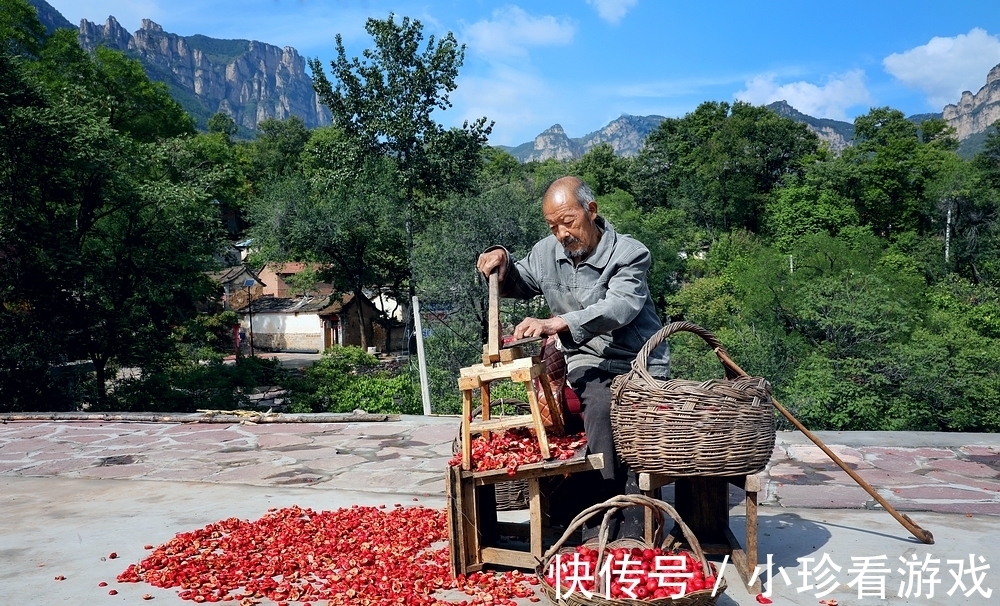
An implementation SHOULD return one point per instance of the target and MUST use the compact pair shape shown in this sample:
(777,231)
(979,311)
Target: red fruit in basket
(710,581)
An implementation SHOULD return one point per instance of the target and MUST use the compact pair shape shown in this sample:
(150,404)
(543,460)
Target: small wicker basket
(720,427)
(702,597)
(511,495)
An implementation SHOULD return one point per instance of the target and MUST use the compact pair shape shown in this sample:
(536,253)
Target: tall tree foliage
(718,163)
(97,243)
(346,225)
(384,102)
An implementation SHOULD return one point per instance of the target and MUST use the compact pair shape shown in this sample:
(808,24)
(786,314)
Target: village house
(234,292)
(312,323)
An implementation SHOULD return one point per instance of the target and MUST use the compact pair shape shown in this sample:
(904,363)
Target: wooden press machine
(472,515)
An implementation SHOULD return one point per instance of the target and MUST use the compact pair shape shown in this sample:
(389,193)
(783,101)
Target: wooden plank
(522,375)
(703,503)
(470,518)
(751,546)
(466,431)
(501,423)
(752,483)
(456,540)
(501,371)
(538,470)
(510,354)
(652,481)
(535,517)
(743,563)
(485,402)
(509,557)
(493,321)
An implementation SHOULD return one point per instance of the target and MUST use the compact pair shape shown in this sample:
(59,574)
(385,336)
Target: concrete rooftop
(72,492)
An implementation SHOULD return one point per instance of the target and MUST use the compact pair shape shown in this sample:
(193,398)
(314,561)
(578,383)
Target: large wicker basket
(720,427)
(609,508)
(511,495)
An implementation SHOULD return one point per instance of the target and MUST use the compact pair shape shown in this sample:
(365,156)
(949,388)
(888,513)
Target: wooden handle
(924,535)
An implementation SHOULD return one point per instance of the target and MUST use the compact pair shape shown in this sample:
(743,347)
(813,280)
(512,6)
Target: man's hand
(533,327)
(493,259)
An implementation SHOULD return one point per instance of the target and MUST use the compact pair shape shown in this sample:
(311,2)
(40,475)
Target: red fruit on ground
(113,592)
(102,584)
(112,555)
(60,578)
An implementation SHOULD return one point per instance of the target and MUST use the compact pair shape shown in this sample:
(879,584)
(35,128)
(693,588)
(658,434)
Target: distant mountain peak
(837,133)
(250,81)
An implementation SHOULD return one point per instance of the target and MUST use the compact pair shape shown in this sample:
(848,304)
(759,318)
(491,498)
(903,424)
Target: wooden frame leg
(536,416)
(535,521)
(466,433)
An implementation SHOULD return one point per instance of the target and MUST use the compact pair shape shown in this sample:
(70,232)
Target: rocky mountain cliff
(625,135)
(251,81)
(49,16)
(975,113)
(838,134)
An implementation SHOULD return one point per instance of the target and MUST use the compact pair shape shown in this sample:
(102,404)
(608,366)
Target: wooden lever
(493,339)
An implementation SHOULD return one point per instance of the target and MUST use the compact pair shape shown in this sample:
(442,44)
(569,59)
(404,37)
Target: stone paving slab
(912,470)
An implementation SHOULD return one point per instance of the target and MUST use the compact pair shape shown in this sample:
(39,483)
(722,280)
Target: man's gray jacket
(604,299)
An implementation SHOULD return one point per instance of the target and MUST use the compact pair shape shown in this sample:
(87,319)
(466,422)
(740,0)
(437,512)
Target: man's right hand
(491,260)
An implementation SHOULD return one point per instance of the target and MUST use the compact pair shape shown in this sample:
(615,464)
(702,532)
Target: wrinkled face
(572,225)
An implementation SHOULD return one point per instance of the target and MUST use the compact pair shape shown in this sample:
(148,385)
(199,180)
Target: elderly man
(594,281)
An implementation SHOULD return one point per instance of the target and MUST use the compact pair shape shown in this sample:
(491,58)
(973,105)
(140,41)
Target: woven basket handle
(639,365)
(615,504)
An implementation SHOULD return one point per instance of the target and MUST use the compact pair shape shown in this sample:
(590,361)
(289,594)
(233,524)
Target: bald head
(569,188)
(571,213)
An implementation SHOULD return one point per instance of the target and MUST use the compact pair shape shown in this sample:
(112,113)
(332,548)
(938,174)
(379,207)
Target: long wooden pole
(923,535)
(425,391)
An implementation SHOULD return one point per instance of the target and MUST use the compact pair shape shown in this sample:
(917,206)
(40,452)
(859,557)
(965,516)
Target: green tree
(347,226)
(222,123)
(719,163)
(279,143)
(132,102)
(21,33)
(385,101)
(603,170)
(97,238)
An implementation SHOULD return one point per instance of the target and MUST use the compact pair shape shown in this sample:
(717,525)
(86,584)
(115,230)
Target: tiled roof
(275,305)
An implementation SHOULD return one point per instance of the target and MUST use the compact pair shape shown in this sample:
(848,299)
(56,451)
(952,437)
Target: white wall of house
(277,331)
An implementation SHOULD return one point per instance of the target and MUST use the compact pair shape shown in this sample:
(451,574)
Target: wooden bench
(703,504)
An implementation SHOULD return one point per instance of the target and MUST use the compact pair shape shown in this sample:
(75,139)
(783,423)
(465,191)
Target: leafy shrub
(348,378)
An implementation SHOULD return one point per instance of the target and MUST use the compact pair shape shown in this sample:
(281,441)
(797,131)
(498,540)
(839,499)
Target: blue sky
(582,63)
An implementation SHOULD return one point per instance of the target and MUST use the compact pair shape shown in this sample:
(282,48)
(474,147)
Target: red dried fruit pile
(515,447)
(642,574)
(361,555)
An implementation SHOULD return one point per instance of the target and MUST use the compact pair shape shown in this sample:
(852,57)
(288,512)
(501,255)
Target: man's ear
(592,209)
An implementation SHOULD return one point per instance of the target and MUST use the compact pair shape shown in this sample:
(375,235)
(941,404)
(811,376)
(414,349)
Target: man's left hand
(533,327)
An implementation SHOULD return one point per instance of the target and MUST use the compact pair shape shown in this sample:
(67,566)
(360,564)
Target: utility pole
(947,233)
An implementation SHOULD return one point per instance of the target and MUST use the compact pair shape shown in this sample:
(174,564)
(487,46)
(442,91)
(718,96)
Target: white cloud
(831,100)
(511,31)
(612,11)
(944,67)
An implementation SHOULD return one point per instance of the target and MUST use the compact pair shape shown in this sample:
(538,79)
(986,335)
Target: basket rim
(712,592)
